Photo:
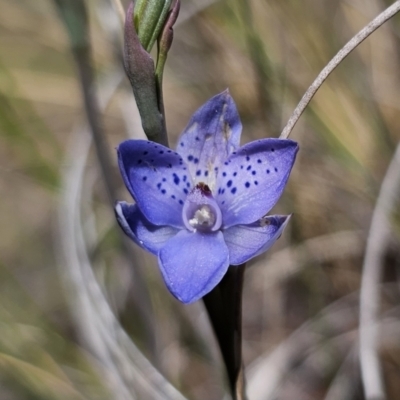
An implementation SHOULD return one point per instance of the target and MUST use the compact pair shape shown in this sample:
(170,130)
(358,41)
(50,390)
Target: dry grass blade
(309,343)
(269,370)
(127,369)
(340,56)
(129,374)
(378,239)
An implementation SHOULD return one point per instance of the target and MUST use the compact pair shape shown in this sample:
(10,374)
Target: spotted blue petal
(253,178)
(157,178)
(210,137)
(247,241)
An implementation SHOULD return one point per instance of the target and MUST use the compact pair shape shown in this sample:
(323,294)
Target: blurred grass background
(301,299)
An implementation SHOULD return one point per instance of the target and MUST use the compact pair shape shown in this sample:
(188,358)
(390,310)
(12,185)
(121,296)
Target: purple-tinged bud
(139,67)
(146,22)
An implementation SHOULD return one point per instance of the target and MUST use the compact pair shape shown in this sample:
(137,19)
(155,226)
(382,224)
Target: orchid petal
(193,263)
(157,178)
(212,134)
(247,241)
(253,178)
(148,236)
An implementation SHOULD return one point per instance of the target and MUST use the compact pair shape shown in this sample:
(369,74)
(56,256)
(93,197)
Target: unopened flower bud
(146,22)
(149,19)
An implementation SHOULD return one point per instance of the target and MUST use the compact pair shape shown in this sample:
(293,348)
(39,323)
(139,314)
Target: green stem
(224,308)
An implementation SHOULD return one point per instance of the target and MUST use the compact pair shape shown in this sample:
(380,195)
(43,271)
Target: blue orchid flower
(203,207)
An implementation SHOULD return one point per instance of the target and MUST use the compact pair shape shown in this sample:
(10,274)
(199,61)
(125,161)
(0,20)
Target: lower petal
(247,241)
(193,263)
(151,237)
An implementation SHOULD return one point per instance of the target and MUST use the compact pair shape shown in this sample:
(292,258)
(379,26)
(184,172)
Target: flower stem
(224,308)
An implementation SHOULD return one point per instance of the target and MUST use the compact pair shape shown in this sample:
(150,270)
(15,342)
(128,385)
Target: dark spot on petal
(161,152)
(233,191)
(190,158)
(247,184)
(256,182)
(241,167)
(223,202)
(235,173)
(224,174)
(216,169)
(259,161)
(185,191)
(226,163)
(169,165)
(144,178)
(187,184)
(176,179)
(267,171)
(173,196)
(182,144)
(276,169)
(139,161)
(198,172)
(197,138)
(206,173)
(196,160)
(164,179)
(248,158)
(222,191)
(248,168)
(145,152)
(184,178)
(169,151)
(234,153)
(272,149)
(180,202)
(253,172)
(229,183)
(159,185)
(163,191)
